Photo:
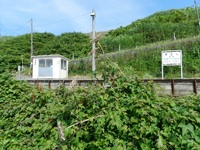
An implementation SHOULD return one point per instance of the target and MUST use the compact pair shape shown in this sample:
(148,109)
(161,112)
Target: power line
(13,31)
(61,20)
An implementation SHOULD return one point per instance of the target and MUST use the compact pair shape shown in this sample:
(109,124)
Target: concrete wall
(173,87)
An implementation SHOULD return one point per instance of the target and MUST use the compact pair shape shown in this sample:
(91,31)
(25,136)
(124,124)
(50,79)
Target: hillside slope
(161,26)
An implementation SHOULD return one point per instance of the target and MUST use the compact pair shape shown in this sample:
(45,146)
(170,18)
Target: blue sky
(61,16)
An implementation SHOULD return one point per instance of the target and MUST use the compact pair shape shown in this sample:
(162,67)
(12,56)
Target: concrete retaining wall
(174,87)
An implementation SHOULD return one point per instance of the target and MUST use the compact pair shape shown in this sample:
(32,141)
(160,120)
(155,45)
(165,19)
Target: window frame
(45,63)
(63,64)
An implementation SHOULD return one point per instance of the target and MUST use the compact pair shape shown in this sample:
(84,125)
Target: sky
(63,16)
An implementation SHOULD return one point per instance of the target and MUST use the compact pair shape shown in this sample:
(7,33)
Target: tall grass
(145,61)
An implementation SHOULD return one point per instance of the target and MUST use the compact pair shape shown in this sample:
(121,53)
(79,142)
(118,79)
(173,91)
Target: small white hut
(49,66)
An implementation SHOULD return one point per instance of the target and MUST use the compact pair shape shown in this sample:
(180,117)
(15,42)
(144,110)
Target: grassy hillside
(149,36)
(159,29)
(160,26)
(145,61)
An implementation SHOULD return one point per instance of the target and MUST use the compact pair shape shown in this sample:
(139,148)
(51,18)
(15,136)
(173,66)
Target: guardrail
(174,87)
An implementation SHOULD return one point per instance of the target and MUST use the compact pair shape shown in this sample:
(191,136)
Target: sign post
(172,58)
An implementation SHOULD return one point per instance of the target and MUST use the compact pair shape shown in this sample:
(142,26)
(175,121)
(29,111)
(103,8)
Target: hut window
(42,63)
(45,62)
(48,62)
(63,64)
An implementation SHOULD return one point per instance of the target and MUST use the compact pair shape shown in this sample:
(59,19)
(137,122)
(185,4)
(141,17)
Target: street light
(93,40)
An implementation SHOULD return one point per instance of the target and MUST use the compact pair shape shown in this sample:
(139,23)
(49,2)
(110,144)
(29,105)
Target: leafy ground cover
(125,115)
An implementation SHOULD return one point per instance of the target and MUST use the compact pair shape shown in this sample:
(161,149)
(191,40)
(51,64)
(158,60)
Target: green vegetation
(145,61)
(148,37)
(126,115)
(151,35)
(160,26)
(13,50)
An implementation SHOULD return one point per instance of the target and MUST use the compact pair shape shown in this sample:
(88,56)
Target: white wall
(35,68)
(56,64)
(56,67)
(64,73)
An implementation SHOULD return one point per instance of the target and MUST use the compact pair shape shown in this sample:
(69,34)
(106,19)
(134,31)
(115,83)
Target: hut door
(45,68)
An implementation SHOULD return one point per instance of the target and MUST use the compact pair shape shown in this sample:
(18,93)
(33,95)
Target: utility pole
(196,8)
(93,40)
(31,42)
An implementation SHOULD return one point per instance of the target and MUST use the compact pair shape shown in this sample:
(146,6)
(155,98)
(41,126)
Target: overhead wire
(57,21)
(13,31)
(61,20)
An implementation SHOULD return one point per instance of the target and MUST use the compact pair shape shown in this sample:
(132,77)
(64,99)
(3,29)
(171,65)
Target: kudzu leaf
(160,141)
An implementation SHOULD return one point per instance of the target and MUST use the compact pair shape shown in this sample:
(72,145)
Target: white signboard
(172,58)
